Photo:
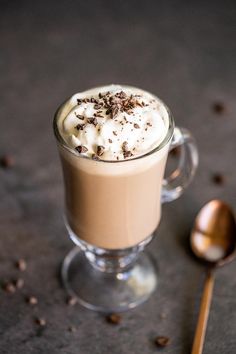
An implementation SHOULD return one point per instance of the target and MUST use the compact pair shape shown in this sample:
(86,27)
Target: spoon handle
(203,314)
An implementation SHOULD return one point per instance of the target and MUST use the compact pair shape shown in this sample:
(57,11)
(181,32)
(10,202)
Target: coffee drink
(113,148)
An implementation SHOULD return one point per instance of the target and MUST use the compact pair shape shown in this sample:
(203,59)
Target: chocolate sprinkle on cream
(81,149)
(80,126)
(79,116)
(123,112)
(100,150)
(125,146)
(92,121)
(127,154)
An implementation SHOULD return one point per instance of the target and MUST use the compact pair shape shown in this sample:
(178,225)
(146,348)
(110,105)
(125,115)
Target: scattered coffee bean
(175,152)
(162,341)
(163,316)
(218,107)
(19,283)
(9,288)
(21,264)
(72,329)
(7,161)
(32,300)
(40,321)
(218,178)
(114,318)
(72,301)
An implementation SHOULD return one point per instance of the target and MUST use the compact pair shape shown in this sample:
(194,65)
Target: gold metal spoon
(213,240)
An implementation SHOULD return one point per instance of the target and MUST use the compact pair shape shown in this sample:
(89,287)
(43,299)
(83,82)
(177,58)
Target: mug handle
(175,184)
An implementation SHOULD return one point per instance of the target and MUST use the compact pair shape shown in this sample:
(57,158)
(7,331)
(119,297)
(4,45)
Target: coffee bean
(21,264)
(7,161)
(19,283)
(9,288)
(72,301)
(40,321)
(32,300)
(218,178)
(114,318)
(162,341)
(218,107)
(72,329)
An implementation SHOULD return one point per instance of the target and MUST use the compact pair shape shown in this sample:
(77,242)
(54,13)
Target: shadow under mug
(106,272)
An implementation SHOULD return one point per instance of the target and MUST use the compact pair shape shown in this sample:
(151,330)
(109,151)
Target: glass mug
(112,209)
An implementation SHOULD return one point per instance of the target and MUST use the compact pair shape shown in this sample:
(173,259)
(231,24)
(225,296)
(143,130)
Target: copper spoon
(213,240)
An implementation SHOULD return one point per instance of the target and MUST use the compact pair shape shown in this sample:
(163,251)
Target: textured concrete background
(184,52)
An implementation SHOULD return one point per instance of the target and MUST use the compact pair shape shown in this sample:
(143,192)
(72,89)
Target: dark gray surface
(185,53)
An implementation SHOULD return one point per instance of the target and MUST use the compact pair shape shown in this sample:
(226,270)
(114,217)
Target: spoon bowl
(213,238)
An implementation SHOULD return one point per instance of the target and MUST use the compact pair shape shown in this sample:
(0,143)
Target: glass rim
(164,142)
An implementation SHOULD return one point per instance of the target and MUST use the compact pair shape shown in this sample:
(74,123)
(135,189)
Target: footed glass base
(108,291)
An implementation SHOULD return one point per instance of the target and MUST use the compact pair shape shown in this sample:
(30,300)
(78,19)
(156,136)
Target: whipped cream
(113,122)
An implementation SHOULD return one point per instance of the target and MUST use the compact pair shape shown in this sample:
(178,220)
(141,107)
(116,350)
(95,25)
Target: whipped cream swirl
(113,122)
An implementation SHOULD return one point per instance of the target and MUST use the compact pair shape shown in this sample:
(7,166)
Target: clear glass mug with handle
(112,209)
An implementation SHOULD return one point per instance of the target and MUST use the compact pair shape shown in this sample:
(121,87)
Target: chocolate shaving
(97,106)
(92,121)
(114,111)
(79,116)
(115,133)
(122,94)
(110,141)
(100,150)
(127,154)
(125,146)
(136,126)
(81,149)
(80,126)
